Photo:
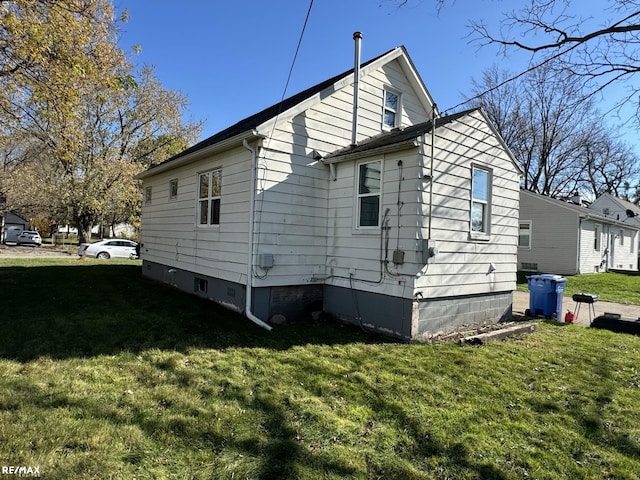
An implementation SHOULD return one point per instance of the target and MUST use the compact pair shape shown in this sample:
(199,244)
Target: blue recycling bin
(545,295)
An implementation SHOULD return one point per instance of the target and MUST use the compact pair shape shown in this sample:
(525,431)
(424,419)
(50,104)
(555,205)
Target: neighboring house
(558,236)
(11,224)
(299,208)
(618,209)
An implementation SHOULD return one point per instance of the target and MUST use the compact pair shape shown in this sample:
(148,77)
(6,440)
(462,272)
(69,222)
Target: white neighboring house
(561,237)
(618,209)
(325,203)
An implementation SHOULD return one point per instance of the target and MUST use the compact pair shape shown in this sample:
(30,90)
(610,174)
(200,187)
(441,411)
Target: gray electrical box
(398,257)
(265,260)
(429,251)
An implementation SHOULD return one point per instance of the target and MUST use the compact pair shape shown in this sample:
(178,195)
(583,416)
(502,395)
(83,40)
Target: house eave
(608,221)
(395,147)
(221,146)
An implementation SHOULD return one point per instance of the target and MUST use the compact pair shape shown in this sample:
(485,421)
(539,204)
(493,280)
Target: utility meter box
(265,260)
(429,251)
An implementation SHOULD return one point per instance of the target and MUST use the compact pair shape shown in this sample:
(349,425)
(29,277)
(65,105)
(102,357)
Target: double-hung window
(480,202)
(173,189)
(368,197)
(147,195)
(391,110)
(209,195)
(524,235)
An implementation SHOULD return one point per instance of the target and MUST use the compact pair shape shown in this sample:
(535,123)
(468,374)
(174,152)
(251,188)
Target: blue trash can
(545,295)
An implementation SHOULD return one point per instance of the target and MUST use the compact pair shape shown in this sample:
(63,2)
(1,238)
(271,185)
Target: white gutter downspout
(252,200)
(431,160)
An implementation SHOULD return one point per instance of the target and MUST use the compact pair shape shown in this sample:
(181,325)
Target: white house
(558,236)
(618,209)
(345,199)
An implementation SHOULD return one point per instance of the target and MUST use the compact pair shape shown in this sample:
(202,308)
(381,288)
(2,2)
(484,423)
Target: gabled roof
(407,137)
(624,204)
(399,137)
(582,212)
(247,127)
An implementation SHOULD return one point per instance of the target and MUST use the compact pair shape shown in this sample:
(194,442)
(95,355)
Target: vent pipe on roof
(357,37)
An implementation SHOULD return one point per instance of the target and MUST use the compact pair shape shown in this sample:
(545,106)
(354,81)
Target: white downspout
(431,161)
(252,200)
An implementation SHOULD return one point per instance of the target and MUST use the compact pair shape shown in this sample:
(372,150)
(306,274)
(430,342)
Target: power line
(295,56)
(515,77)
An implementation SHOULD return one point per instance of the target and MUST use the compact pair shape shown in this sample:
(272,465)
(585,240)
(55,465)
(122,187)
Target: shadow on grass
(88,310)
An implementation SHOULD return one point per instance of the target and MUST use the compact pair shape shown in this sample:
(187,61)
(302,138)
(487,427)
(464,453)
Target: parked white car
(111,248)
(29,237)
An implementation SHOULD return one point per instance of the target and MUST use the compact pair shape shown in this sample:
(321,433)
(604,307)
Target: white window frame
(173,189)
(397,112)
(596,238)
(210,198)
(359,196)
(485,233)
(622,237)
(148,195)
(528,224)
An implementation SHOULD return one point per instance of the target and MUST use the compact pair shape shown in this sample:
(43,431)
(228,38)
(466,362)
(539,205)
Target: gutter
(249,293)
(220,146)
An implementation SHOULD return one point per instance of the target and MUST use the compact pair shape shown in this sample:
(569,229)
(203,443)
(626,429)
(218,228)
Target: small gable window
(480,202)
(391,111)
(209,196)
(147,195)
(369,188)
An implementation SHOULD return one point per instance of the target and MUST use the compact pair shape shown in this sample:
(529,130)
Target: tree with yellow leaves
(79,120)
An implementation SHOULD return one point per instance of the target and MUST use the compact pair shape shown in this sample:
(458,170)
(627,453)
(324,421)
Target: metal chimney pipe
(357,37)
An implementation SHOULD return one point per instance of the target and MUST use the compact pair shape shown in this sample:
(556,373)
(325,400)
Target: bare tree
(599,53)
(560,141)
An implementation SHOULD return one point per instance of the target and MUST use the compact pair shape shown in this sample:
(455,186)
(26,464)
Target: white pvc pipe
(252,199)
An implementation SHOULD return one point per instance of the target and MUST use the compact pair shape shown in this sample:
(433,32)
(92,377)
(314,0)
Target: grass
(610,287)
(109,375)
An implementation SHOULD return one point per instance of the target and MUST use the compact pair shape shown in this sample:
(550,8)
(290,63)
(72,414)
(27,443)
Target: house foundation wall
(373,311)
(397,317)
(294,302)
(433,317)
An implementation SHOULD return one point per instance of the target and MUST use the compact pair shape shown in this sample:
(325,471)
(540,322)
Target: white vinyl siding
(462,264)
(170,231)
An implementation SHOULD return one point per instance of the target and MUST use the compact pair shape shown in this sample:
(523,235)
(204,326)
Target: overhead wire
(511,79)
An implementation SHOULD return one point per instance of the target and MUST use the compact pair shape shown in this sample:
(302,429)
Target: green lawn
(610,287)
(104,374)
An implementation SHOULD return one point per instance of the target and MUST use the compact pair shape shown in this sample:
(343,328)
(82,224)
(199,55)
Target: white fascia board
(221,146)
(395,147)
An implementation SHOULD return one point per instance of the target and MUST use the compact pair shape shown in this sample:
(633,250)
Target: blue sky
(231,58)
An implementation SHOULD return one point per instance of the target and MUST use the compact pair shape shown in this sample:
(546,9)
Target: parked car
(111,248)
(29,237)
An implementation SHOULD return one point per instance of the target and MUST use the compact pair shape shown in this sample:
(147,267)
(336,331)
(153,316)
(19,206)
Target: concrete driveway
(15,251)
(521,303)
